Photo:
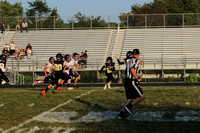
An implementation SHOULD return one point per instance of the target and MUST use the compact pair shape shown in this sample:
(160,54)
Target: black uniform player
(58,68)
(133,90)
(129,55)
(110,67)
(2,70)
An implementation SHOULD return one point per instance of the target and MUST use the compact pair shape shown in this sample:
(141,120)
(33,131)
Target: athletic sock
(68,85)
(46,89)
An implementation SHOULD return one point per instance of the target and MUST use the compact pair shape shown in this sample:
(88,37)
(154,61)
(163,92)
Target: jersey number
(58,67)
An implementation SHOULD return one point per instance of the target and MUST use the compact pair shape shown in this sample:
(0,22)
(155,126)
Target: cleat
(129,108)
(109,86)
(70,88)
(59,88)
(43,92)
(76,87)
(105,87)
(121,115)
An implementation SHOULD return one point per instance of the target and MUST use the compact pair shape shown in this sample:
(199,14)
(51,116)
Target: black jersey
(125,61)
(58,65)
(110,67)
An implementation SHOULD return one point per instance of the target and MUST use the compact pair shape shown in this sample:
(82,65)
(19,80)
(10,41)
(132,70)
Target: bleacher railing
(176,20)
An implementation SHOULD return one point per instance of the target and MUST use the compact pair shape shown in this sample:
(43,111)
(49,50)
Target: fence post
(54,22)
(183,17)
(120,75)
(164,20)
(145,19)
(33,71)
(127,22)
(72,22)
(162,66)
(109,21)
(90,22)
(97,69)
(184,68)
(12,64)
(36,22)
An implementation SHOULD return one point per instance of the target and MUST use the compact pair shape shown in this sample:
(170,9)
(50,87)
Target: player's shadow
(91,105)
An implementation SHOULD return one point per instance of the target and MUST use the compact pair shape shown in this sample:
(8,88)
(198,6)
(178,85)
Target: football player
(58,68)
(2,70)
(46,72)
(110,67)
(67,66)
(129,55)
(75,62)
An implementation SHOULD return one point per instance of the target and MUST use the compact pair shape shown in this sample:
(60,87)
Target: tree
(10,12)
(81,20)
(162,7)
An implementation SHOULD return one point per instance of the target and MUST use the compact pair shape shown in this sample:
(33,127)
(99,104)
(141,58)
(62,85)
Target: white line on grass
(1,105)
(44,113)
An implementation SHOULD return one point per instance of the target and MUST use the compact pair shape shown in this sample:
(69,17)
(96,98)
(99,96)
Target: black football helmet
(129,54)
(109,58)
(67,56)
(59,56)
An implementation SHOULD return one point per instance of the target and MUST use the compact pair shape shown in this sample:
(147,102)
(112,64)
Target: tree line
(41,15)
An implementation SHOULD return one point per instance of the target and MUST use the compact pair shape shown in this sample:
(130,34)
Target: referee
(132,89)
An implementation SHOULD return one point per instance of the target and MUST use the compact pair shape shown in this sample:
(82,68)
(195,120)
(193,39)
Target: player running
(75,62)
(58,68)
(2,70)
(67,66)
(46,72)
(110,67)
(133,91)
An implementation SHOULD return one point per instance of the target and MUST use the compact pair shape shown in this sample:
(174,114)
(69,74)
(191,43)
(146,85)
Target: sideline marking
(44,113)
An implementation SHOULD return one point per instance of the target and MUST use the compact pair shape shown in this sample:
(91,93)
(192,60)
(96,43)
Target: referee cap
(136,51)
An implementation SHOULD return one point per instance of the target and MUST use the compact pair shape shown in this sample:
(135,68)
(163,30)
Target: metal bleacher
(175,48)
(171,48)
(48,43)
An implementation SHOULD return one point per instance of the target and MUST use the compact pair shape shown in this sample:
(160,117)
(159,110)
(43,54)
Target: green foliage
(192,78)
(45,16)
(10,12)
(170,79)
(163,7)
(28,80)
(82,20)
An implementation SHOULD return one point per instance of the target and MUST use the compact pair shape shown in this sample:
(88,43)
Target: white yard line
(44,113)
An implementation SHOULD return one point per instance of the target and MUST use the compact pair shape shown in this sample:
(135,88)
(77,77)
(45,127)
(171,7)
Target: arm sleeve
(120,63)
(102,69)
(113,69)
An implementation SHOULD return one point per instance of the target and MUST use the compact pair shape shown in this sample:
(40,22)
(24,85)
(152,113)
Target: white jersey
(48,64)
(69,66)
(74,62)
(2,67)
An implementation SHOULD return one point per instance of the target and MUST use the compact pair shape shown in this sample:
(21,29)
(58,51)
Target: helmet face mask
(129,54)
(59,56)
(109,59)
(75,55)
(51,60)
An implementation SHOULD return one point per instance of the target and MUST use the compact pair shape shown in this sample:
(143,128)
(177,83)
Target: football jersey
(58,65)
(133,63)
(74,62)
(2,67)
(110,67)
(48,64)
(68,65)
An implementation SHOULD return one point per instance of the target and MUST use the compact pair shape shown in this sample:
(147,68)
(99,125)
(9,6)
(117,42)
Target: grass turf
(19,105)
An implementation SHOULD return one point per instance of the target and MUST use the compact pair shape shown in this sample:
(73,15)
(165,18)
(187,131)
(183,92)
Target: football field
(89,110)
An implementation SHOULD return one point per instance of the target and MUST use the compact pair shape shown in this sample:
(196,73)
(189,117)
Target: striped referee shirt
(133,63)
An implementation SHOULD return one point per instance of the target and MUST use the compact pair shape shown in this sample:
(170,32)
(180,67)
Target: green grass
(16,108)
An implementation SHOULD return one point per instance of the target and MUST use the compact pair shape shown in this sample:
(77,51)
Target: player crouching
(110,67)
(47,73)
(2,70)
